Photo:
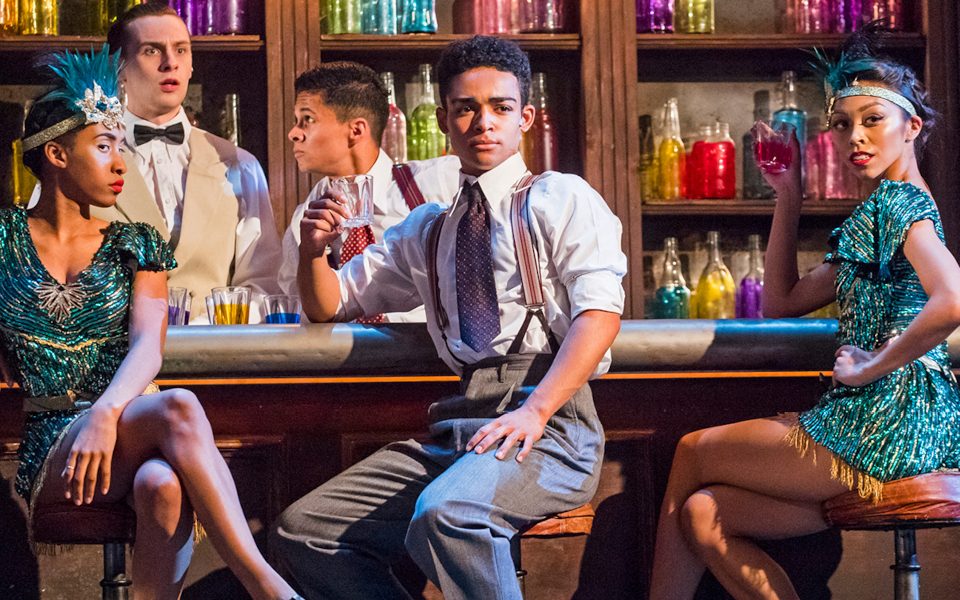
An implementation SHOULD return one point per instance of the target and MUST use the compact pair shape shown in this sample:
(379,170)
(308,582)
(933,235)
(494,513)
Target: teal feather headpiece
(840,81)
(87,83)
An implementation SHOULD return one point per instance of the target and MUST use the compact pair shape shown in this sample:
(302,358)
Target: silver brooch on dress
(59,299)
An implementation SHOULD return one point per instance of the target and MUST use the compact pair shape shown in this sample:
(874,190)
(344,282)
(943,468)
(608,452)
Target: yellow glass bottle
(39,17)
(716,291)
(671,157)
(9,17)
(23,179)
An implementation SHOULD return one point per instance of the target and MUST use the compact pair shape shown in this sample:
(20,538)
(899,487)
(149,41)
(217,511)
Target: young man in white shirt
(522,440)
(207,197)
(341,110)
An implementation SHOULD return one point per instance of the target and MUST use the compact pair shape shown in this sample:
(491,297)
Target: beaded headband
(875,91)
(87,84)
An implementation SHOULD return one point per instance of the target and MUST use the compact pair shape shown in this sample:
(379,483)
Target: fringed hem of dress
(868,486)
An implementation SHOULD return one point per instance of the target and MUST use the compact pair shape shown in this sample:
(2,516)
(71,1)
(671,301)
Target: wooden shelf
(770,41)
(740,207)
(203,43)
(418,42)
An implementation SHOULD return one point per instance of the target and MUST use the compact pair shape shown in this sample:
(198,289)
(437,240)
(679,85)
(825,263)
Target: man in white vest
(207,197)
(340,113)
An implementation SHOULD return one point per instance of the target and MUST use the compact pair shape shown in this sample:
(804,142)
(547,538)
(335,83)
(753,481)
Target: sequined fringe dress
(907,422)
(64,342)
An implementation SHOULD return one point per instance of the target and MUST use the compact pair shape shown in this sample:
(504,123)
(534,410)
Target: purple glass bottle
(750,293)
(655,16)
(230,16)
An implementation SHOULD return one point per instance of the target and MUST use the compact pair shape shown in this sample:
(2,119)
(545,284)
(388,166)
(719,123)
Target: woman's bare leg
(165,526)
(751,455)
(171,424)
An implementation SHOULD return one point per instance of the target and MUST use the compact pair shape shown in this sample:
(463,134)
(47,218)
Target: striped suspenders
(527,261)
(408,186)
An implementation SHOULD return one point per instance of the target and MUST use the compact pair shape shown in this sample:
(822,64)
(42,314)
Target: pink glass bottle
(540,149)
(542,16)
(889,10)
(720,164)
(811,16)
(230,16)
(394,140)
(655,16)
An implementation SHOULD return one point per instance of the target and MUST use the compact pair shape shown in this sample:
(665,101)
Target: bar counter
(292,406)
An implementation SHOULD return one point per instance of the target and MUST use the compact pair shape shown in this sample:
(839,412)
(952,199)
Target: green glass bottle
(672,298)
(343,16)
(693,16)
(424,138)
(716,291)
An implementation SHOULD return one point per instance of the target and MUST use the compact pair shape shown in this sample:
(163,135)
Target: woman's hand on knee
(90,457)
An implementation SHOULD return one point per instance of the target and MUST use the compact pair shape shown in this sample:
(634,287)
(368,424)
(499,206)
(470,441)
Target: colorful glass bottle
(716,291)
(394,140)
(720,164)
(380,17)
(23,180)
(204,17)
(9,17)
(343,16)
(39,17)
(890,11)
(789,111)
(648,156)
(754,185)
(671,156)
(230,17)
(424,138)
(695,187)
(672,298)
(540,149)
(655,16)
(419,16)
(693,16)
(750,294)
(542,16)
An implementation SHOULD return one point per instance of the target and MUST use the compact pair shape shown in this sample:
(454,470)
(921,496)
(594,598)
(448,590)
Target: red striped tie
(358,239)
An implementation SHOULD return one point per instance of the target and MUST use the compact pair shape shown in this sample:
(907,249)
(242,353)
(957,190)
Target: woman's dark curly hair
(41,115)
(865,44)
(483,51)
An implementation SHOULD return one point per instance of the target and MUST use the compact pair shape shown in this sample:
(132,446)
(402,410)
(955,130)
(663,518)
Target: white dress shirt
(437,179)
(164,167)
(578,242)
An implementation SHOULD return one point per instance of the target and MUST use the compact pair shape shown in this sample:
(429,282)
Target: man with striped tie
(521,281)
(340,110)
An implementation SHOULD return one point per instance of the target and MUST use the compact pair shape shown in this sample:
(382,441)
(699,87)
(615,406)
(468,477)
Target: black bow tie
(143,134)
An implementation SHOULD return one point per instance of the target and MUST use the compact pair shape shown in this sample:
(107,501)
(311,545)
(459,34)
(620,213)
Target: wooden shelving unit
(767,41)
(204,43)
(423,41)
(741,207)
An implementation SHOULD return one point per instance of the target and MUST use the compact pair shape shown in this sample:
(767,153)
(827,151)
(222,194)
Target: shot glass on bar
(281,310)
(178,306)
(231,305)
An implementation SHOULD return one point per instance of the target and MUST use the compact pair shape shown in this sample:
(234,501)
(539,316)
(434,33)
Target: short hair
(351,90)
(119,35)
(40,116)
(483,51)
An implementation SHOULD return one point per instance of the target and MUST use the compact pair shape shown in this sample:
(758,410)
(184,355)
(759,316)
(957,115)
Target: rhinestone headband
(95,107)
(877,92)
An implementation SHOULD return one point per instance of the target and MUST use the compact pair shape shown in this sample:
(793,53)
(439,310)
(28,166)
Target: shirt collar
(382,172)
(130,119)
(498,181)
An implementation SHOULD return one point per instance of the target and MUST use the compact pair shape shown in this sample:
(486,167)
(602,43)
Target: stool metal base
(906,570)
(115,585)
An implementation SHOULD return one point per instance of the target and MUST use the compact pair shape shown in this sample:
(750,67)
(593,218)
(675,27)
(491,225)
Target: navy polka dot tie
(479,310)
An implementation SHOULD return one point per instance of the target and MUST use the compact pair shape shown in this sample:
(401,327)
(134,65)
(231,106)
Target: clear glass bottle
(394,140)
(655,16)
(539,147)
(419,16)
(716,290)
(648,155)
(789,111)
(230,119)
(671,156)
(754,185)
(672,298)
(424,138)
(693,16)
(39,17)
(380,17)
(343,16)
(750,294)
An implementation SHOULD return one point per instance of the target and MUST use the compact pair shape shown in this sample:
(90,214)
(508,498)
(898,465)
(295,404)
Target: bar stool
(112,525)
(924,501)
(578,521)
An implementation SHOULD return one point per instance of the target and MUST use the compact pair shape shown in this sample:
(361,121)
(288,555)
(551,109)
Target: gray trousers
(453,511)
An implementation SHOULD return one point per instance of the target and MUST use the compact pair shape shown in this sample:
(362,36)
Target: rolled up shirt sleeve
(258,245)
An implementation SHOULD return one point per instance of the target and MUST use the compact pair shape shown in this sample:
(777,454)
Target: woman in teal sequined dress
(82,323)
(894,411)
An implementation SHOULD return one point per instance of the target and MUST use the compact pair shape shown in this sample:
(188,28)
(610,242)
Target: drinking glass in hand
(358,190)
(281,310)
(772,146)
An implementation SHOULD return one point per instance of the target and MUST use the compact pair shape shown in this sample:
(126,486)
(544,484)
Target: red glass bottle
(720,164)
(695,164)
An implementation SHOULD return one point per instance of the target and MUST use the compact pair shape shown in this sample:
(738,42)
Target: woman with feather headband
(82,323)
(894,410)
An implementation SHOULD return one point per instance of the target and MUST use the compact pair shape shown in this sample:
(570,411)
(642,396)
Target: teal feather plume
(840,74)
(78,72)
